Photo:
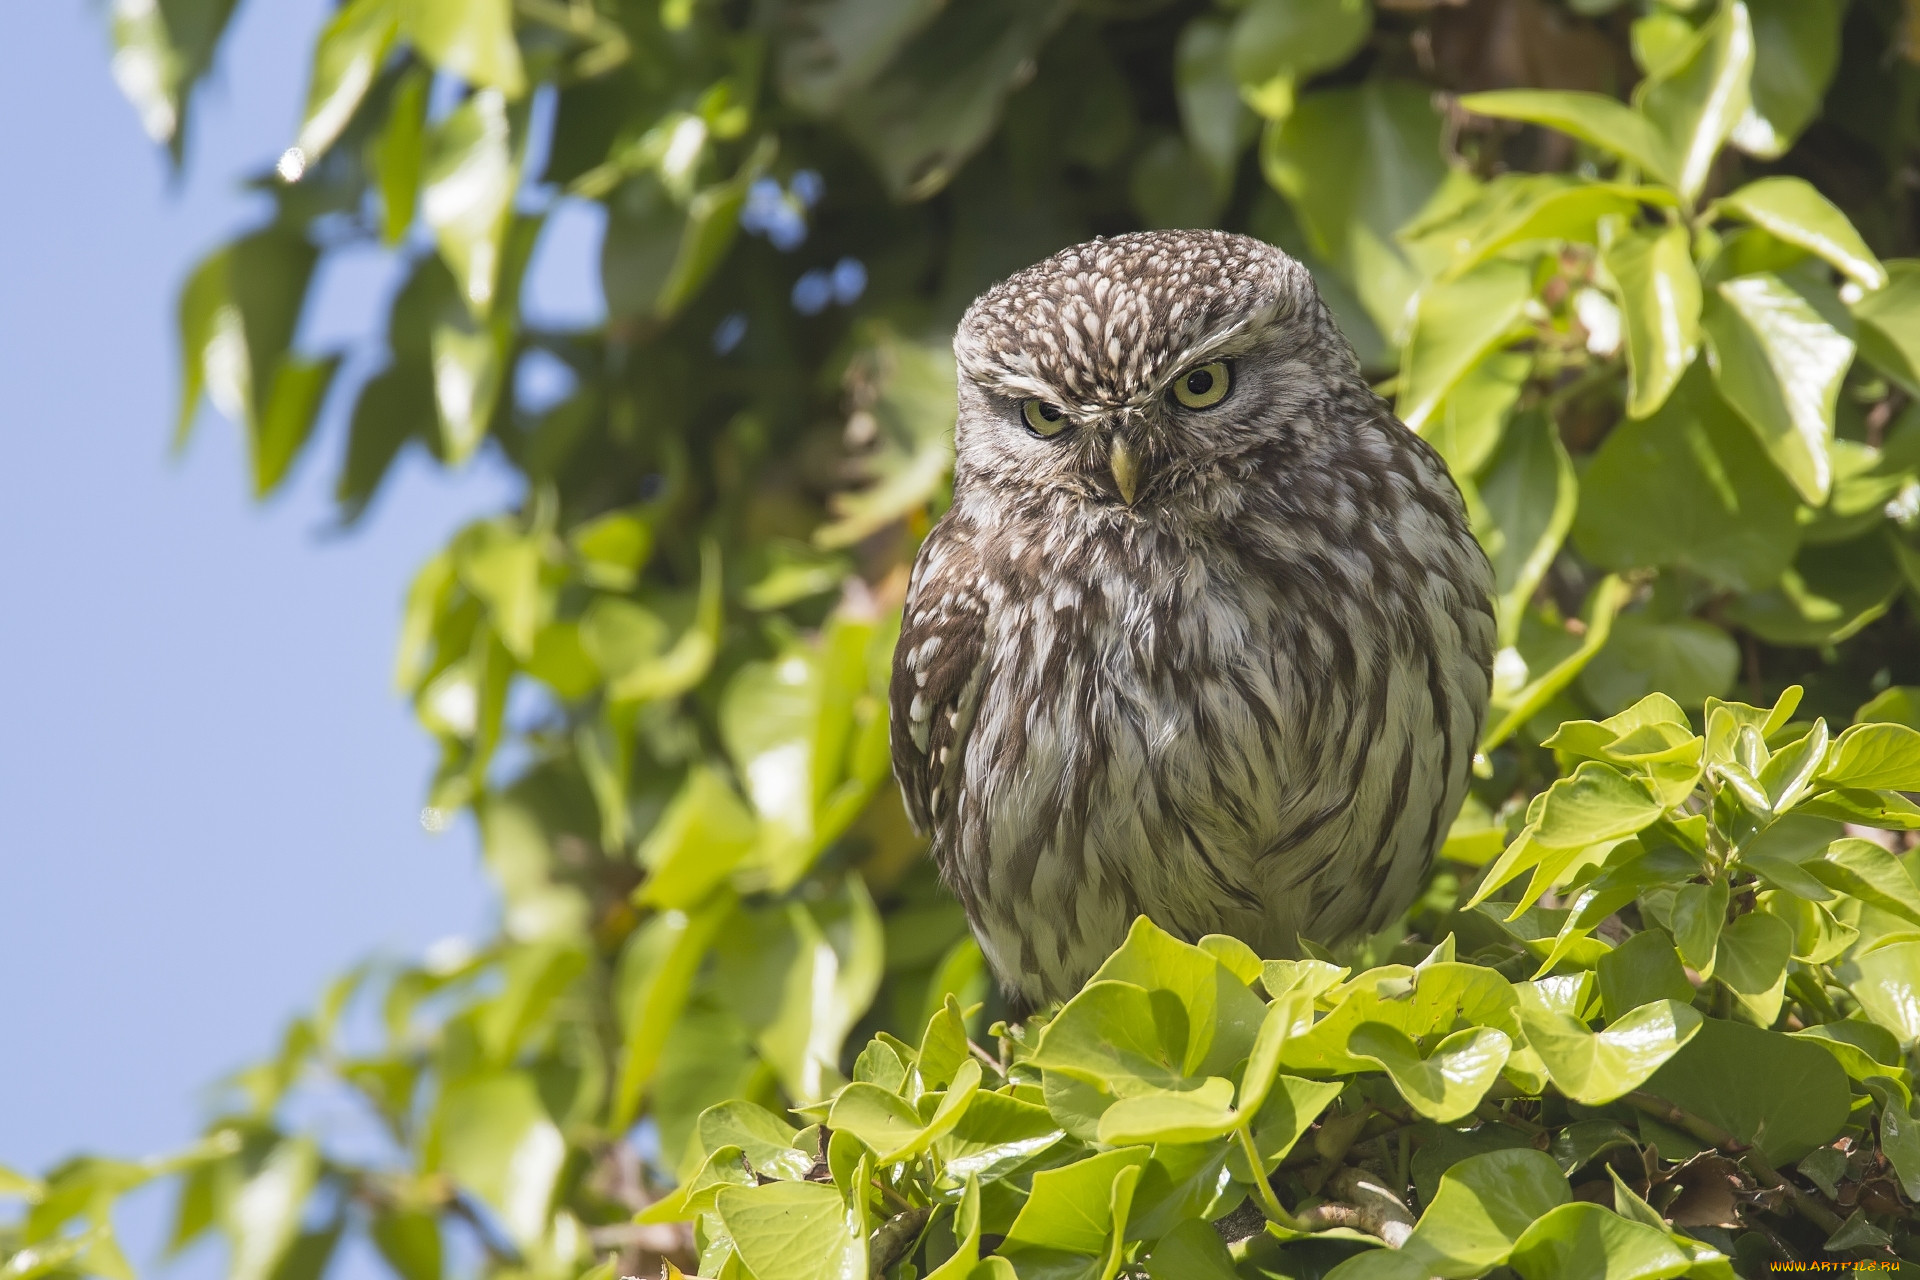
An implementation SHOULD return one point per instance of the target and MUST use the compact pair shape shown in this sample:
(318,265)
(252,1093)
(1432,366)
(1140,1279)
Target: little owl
(1204,635)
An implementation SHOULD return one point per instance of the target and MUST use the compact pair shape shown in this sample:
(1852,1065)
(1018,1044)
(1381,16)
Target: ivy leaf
(1357,164)
(1595,1068)
(1456,324)
(346,58)
(1779,363)
(1862,869)
(471,38)
(794,1231)
(1889,324)
(1528,493)
(1789,209)
(1874,757)
(1796,48)
(1752,961)
(1659,294)
(1603,122)
(1483,1206)
(468,179)
(1695,101)
(495,1138)
(1444,1085)
(762,1137)
(1780,1093)
(1583,1241)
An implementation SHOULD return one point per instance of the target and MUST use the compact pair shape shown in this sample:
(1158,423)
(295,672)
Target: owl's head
(1126,371)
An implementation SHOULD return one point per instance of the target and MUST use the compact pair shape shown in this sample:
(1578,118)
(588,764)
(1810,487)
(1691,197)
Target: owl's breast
(1199,735)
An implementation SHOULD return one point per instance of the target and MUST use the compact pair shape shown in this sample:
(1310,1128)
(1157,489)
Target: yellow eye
(1204,387)
(1043,419)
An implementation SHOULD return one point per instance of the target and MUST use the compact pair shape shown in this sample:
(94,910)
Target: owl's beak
(1126,469)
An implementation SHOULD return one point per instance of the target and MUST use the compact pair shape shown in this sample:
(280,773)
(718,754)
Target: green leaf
(1688,658)
(996,1135)
(1875,757)
(1827,594)
(264,1215)
(1695,102)
(829,50)
(1600,121)
(1864,870)
(1886,982)
(763,1138)
(1165,1115)
(1357,164)
(409,1242)
(794,1231)
(1582,1241)
(160,54)
(1779,364)
(1528,493)
(1889,324)
(1191,1251)
(399,153)
(1595,1068)
(1796,48)
(1790,209)
(1752,961)
(1546,657)
(940,97)
(1595,802)
(703,835)
(1456,323)
(1217,123)
(1554,210)
(1223,1017)
(1698,914)
(1118,1037)
(1484,1204)
(655,975)
(468,178)
(1780,1093)
(878,1117)
(1467,426)
(1644,968)
(346,58)
(1659,295)
(492,1135)
(1071,1208)
(1444,1085)
(471,38)
(1296,38)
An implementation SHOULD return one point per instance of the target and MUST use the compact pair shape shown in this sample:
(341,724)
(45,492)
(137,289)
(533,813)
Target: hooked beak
(1126,469)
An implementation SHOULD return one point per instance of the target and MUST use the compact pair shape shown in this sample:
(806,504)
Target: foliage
(1634,268)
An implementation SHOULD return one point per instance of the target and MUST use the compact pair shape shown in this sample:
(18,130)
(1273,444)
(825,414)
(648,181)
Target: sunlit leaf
(1779,363)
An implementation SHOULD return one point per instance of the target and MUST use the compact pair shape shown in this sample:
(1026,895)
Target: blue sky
(209,792)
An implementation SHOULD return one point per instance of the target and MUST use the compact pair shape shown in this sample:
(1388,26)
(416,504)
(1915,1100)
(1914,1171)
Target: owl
(1204,635)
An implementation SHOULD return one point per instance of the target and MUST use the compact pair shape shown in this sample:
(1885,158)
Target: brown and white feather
(1245,702)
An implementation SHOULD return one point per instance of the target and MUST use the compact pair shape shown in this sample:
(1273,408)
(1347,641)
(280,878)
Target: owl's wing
(936,676)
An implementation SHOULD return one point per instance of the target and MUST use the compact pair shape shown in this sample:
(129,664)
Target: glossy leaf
(794,1231)
(1790,209)
(1603,122)
(1781,1094)
(1779,364)
(1455,325)
(1695,102)
(471,38)
(1659,294)
(346,58)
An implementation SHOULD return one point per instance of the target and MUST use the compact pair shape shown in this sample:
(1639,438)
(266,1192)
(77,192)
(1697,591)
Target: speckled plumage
(1245,701)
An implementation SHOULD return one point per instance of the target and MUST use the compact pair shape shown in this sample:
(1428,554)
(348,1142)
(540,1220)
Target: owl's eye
(1043,419)
(1204,387)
